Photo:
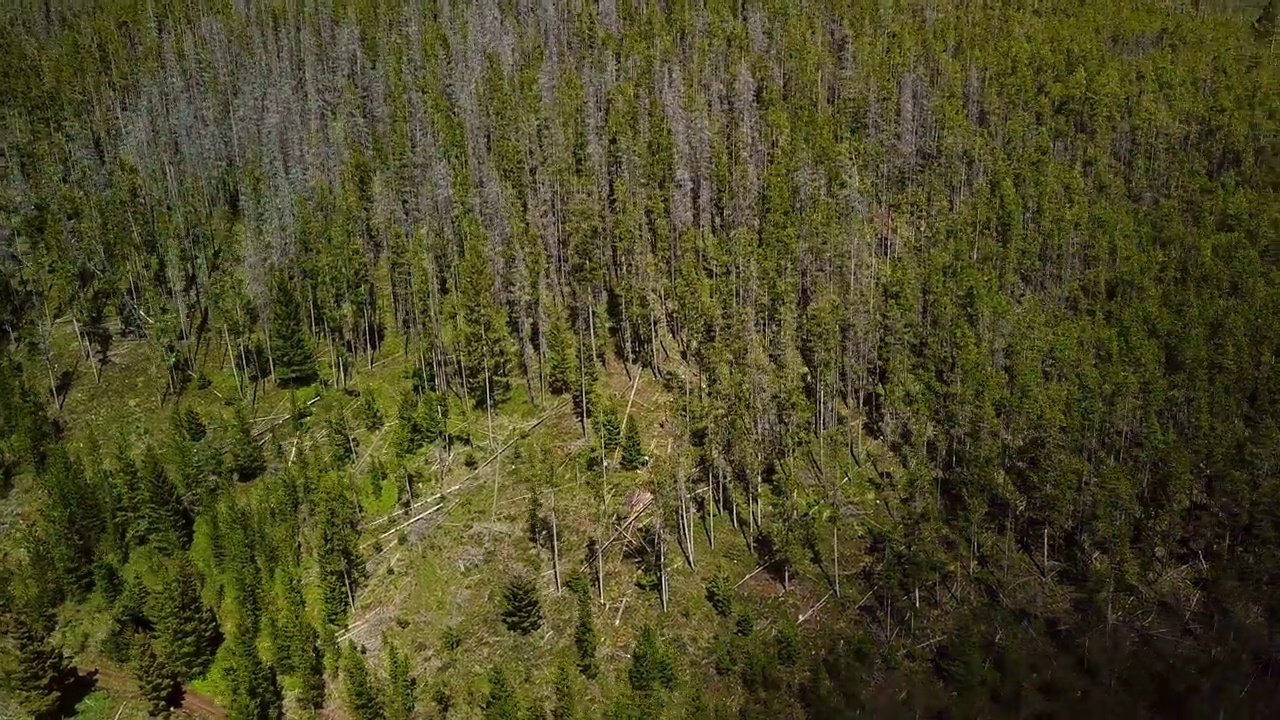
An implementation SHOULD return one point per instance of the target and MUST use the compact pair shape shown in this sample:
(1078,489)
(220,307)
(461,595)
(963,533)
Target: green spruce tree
(69,519)
(539,526)
(342,442)
(311,685)
(254,688)
(155,679)
(370,413)
(247,461)
(399,700)
(522,610)
(187,424)
(161,518)
(610,427)
(294,635)
(186,631)
(361,693)
(422,417)
(585,640)
(433,416)
(502,701)
(562,361)
(410,435)
(337,556)
(33,672)
(565,694)
(484,341)
(651,665)
(633,456)
(291,353)
(720,595)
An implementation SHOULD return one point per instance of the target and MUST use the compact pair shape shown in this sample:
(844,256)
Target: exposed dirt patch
(186,701)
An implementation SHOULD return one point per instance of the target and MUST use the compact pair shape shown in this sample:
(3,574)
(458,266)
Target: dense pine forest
(638,359)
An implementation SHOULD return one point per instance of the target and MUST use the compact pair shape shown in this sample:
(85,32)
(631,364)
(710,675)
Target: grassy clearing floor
(453,577)
(101,705)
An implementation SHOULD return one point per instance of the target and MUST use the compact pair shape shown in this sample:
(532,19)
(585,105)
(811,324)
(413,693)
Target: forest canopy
(969,306)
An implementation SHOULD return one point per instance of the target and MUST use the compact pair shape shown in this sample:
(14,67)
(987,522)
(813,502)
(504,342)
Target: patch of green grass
(375,505)
(214,682)
(100,705)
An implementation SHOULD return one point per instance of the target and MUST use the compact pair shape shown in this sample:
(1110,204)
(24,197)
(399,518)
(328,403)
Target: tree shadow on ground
(78,687)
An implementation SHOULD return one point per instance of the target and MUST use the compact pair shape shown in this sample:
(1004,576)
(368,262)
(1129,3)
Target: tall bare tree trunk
(226,335)
(662,565)
(497,466)
(368,334)
(711,512)
(47,351)
(600,570)
(835,552)
(555,542)
(582,378)
(271,363)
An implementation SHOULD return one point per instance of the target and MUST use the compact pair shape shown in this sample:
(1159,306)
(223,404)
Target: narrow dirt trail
(198,705)
(190,703)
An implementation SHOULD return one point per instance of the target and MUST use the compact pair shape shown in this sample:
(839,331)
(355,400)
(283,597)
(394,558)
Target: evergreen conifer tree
(128,617)
(298,414)
(154,677)
(422,418)
(69,520)
(433,414)
(562,360)
(337,554)
(247,461)
(565,692)
(311,686)
(186,631)
(341,441)
(126,485)
(522,611)
(610,427)
(484,340)
(161,516)
(370,413)
(195,473)
(539,527)
(361,694)
(239,539)
(651,666)
(294,635)
(502,702)
(584,392)
(585,640)
(720,595)
(187,424)
(291,354)
(409,431)
(33,672)
(255,689)
(633,457)
(400,685)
